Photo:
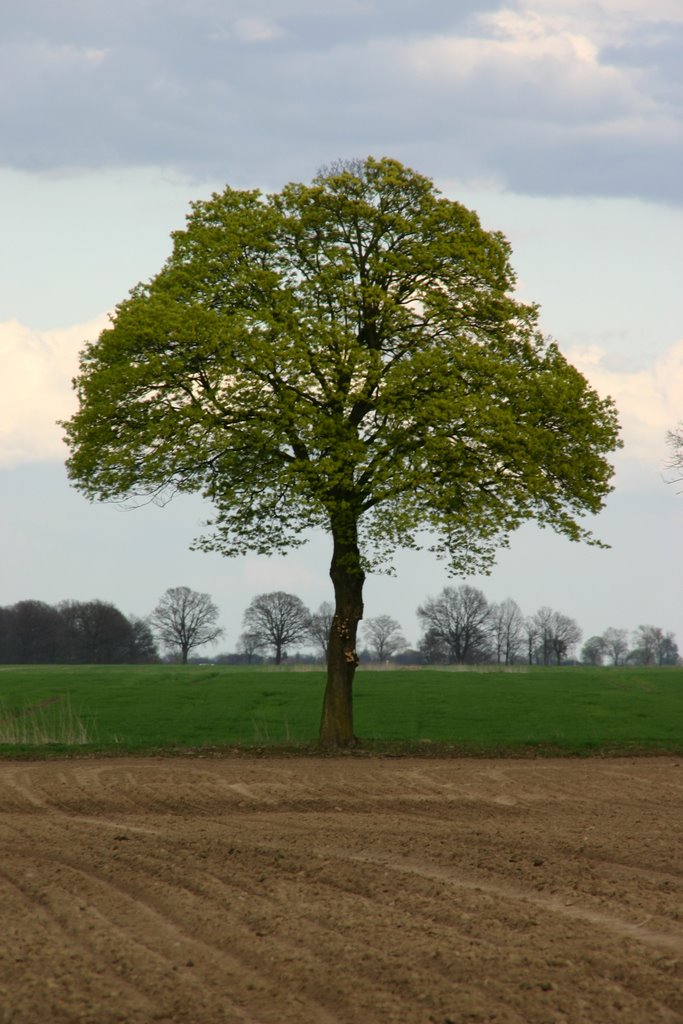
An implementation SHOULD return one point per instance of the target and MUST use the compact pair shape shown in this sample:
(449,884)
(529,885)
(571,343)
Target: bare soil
(343,890)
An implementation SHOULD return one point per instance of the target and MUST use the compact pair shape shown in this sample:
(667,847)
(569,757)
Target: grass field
(56,709)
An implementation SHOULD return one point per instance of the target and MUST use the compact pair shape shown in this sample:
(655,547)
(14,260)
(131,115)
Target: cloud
(257,30)
(552,98)
(649,400)
(36,369)
(528,70)
(549,109)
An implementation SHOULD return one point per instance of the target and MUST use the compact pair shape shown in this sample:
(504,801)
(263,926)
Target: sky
(559,122)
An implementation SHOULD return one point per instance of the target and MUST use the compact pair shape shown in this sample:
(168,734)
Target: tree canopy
(346,354)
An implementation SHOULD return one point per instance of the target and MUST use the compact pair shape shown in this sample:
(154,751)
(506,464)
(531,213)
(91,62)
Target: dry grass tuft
(51,721)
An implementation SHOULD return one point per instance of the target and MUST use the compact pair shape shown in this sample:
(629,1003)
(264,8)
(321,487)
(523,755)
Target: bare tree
(565,634)
(654,647)
(530,630)
(459,618)
(506,629)
(383,636)
(185,619)
(249,644)
(674,439)
(320,626)
(543,630)
(555,634)
(616,644)
(278,619)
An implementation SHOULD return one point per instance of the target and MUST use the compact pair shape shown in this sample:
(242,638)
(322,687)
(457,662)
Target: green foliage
(161,707)
(348,355)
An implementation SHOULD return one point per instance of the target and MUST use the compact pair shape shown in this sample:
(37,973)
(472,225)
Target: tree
(96,632)
(321,626)
(142,647)
(654,647)
(32,633)
(73,632)
(346,355)
(185,619)
(543,632)
(506,627)
(530,630)
(459,618)
(565,634)
(432,647)
(674,439)
(383,636)
(248,645)
(593,651)
(277,620)
(616,644)
(554,635)
(668,651)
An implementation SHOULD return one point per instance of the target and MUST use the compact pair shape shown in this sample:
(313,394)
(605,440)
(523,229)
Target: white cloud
(530,62)
(530,33)
(40,56)
(36,369)
(87,55)
(649,400)
(257,30)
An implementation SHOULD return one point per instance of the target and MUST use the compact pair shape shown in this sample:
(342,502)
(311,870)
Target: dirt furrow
(341,891)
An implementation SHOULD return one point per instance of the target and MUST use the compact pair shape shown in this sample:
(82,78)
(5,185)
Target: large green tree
(349,355)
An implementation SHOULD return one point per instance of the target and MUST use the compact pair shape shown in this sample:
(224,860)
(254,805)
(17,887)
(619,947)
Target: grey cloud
(656,52)
(656,44)
(173,83)
(599,167)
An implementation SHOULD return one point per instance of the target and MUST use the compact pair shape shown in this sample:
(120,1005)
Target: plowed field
(341,891)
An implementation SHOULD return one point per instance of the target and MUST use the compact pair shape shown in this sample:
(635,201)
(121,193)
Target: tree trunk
(336,724)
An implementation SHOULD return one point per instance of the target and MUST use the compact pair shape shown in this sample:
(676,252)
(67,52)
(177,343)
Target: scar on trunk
(343,628)
(344,632)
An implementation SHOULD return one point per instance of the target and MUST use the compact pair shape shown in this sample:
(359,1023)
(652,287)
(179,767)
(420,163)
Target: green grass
(60,709)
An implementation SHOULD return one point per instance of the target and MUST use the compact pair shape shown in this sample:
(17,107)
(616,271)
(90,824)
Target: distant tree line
(459,626)
(648,645)
(462,627)
(97,633)
(73,632)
